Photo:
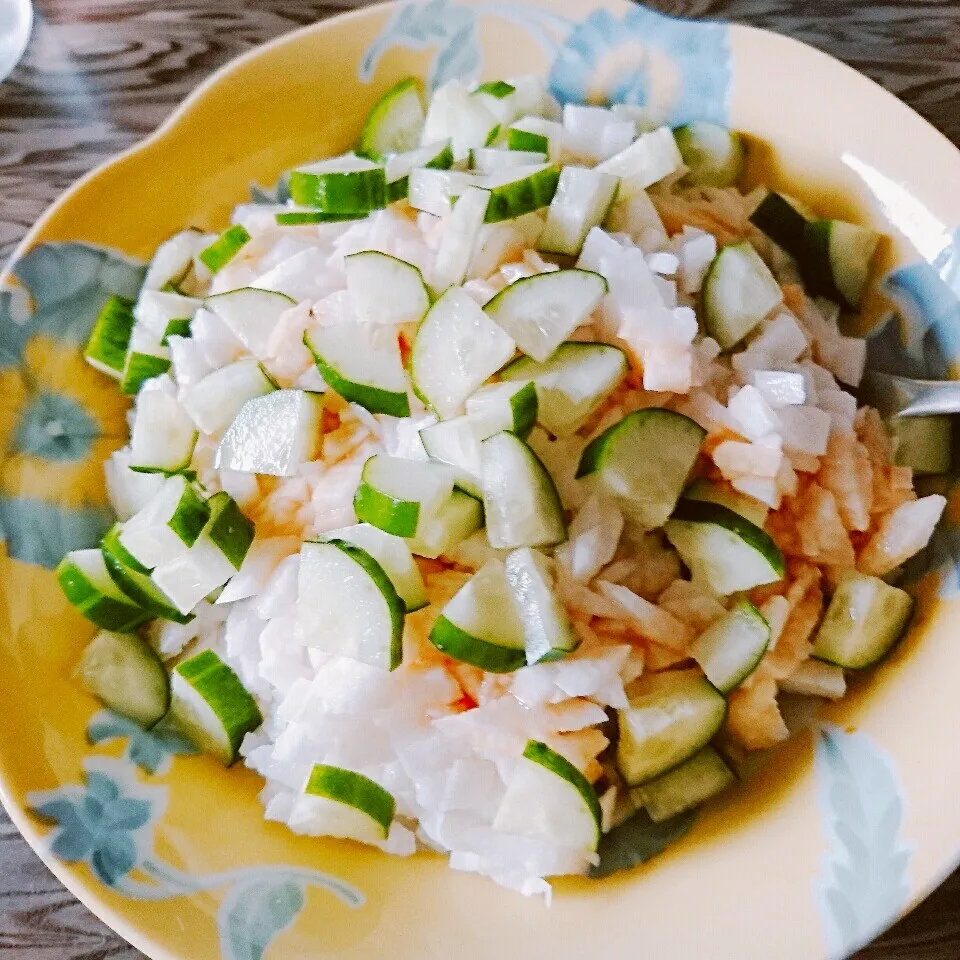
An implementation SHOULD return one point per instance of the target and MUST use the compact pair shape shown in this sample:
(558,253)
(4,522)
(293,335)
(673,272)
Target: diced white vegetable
(646,161)
(805,429)
(594,133)
(780,388)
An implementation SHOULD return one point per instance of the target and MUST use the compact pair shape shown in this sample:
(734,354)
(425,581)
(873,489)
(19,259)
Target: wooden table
(100,74)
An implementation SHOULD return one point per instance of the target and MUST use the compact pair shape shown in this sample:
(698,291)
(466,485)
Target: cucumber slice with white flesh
(547,632)
(224,248)
(755,511)
(215,401)
(395,122)
(650,158)
(462,119)
(434,190)
(111,544)
(702,777)
(384,289)
(549,799)
(251,314)
(815,678)
(106,349)
(361,362)
(500,98)
(486,160)
(456,443)
(211,706)
(459,239)
(582,201)
(572,384)
(163,435)
(731,648)
(723,549)
(536,134)
(126,675)
(541,311)
(837,259)
(671,716)
(343,185)
(739,292)
(165,314)
(393,554)
(866,617)
(780,219)
(458,517)
(922,443)
(86,583)
(644,462)
(504,406)
(167,526)
(215,557)
(138,586)
(347,604)
(146,358)
(434,156)
(714,155)
(456,349)
(520,500)
(479,625)
(347,805)
(400,496)
(274,434)
(514,192)
(174,259)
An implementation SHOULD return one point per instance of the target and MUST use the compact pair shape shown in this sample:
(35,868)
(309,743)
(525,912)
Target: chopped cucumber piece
(174,259)
(343,185)
(922,443)
(347,604)
(214,402)
(141,589)
(306,217)
(723,549)
(712,492)
(274,434)
(434,156)
(671,716)
(572,384)
(224,248)
(395,122)
(644,462)
(541,311)
(146,358)
(703,776)
(526,141)
(780,219)
(488,160)
(456,443)
(479,625)
(434,190)
(106,349)
(814,678)
(504,406)
(715,155)
(865,619)
(537,135)
(251,314)
(549,799)
(547,632)
(167,526)
(384,289)
(84,579)
(459,238)
(211,706)
(458,517)
(731,648)
(462,119)
(348,805)
(400,496)
(739,292)
(126,675)
(165,314)
(393,554)
(650,158)
(361,362)
(163,435)
(111,544)
(582,201)
(456,349)
(520,500)
(838,259)
(495,88)
(520,190)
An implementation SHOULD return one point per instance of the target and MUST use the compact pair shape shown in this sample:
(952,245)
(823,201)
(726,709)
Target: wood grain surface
(100,74)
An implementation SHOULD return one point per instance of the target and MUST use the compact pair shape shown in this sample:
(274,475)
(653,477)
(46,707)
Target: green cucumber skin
(140,368)
(370,505)
(146,595)
(111,543)
(179,327)
(782,223)
(496,88)
(524,405)
(107,612)
(111,331)
(380,109)
(224,248)
(515,199)
(299,218)
(228,525)
(702,511)
(363,794)
(448,638)
(526,141)
(193,513)
(338,192)
(551,760)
